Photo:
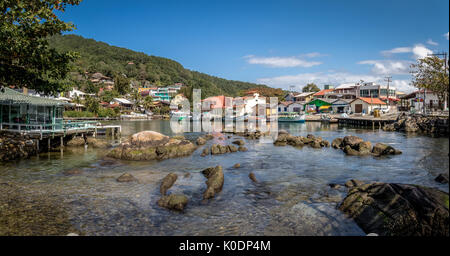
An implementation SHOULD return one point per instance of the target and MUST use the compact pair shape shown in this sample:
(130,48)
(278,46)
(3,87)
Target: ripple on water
(292,196)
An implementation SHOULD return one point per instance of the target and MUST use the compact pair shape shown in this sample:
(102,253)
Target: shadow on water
(292,196)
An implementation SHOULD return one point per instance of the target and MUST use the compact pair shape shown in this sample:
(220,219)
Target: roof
(217,101)
(323,92)
(123,101)
(286,103)
(376,101)
(304,94)
(11,96)
(346,86)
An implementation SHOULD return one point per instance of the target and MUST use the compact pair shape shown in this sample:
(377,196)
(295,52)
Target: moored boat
(291,117)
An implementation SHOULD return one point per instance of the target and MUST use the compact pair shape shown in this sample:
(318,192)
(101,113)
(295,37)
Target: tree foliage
(431,73)
(25,56)
(137,66)
(311,87)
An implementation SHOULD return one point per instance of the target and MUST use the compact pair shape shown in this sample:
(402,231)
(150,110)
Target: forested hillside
(139,67)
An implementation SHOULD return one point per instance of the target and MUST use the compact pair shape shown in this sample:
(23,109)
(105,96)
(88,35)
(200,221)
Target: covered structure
(25,112)
(367,105)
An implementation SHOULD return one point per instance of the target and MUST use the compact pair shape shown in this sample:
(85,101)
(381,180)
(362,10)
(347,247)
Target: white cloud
(419,51)
(403,85)
(397,50)
(312,55)
(388,67)
(281,62)
(431,42)
(446,35)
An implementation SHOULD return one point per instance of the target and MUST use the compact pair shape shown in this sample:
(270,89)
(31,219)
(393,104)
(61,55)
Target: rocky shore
(16,146)
(355,146)
(420,124)
(391,209)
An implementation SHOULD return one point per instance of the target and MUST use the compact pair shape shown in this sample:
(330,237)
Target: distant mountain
(141,68)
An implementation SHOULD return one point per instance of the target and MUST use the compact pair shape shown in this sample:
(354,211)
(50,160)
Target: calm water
(291,198)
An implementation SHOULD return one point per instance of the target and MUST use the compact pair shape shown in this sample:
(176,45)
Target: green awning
(10,96)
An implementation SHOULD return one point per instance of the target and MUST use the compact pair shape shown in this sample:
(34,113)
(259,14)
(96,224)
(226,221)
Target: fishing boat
(291,117)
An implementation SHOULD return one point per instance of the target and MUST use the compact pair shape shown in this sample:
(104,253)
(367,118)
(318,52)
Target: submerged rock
(391,209)
(442,178)
(149,145)
(205,152)
(126,177)
(200,141)
(73,172)
(239,142)
(353,183)
(381,149)
(242,149)
(238,165)
(215,181)
(167,183)
(337,143)
(173,202)
(252,177)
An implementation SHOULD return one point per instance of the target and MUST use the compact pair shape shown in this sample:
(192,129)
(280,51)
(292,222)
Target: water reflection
(292,196)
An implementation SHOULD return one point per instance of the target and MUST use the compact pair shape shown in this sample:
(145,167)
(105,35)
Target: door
(358,108)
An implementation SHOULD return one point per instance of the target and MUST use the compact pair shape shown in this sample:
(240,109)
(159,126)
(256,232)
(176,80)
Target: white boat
(179,115)
(291,117)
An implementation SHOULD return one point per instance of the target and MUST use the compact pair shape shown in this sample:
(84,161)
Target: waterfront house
(20,112)
(124,104)
(345,91)
(367,105)
(340,106)
(318,105)
(372,90)
(304,97)
(416,101)
(323,94)
(283,106)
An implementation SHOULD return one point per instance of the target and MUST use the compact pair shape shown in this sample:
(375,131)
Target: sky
(277,43)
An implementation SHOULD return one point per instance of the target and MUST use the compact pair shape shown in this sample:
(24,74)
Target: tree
(25,56)
(137,97)
(108,96)
(121,84)
(431,73)
(92,104)
(311,87)
(148,102)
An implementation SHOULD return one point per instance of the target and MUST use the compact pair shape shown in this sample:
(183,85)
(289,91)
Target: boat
(291,117)
(180,116)
(325,118)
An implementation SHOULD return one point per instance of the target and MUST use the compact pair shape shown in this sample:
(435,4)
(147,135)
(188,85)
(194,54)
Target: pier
(366,121)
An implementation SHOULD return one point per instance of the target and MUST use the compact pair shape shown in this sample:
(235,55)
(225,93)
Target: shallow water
(292,196)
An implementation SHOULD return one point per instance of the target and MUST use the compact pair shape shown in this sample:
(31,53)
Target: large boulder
(215,181)
(352,141)
(149,145)
(337,143)
(167,183)
(398,209)
(383,149)
(364,148)
(173,202)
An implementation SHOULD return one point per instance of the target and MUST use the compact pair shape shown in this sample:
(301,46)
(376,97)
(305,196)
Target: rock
(167,183)
(215,181)
(236,165)
(148,138)
(126,177)
(310,136)
(223,149)
(200,141)
(364,148)
(173,202)
(353,183)
(390,209)
(205,152)
(282,132)
(215,150)
(239,142)
(382,149)
(73,172)
(442,178)
(76,142)
(281,140)
(232,148)
(334,186)
(350,151)
(242,149)
(72,234)
(149,145)
(98,143)
(337,143)
(352,141)
(252,177)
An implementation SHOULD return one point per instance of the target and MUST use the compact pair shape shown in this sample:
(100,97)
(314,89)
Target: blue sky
(278,43)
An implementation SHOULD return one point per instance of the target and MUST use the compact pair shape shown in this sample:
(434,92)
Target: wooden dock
(366,121)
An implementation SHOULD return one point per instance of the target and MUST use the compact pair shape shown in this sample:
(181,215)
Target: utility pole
(388,79)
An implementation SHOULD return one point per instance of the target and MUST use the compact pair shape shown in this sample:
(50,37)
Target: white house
(367,105)
(77,93)
(123,103)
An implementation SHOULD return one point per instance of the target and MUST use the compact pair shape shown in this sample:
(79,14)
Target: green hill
(139,67)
